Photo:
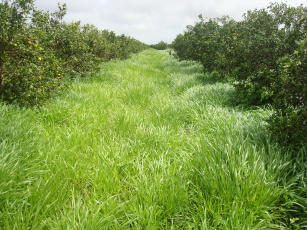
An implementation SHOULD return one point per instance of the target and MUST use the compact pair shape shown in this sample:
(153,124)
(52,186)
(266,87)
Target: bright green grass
(148,143)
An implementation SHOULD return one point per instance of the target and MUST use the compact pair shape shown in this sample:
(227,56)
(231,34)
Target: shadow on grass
(288,169)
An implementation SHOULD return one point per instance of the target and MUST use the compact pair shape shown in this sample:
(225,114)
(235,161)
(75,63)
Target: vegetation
(264,57)
(160,46)
(39,51)
(148,142)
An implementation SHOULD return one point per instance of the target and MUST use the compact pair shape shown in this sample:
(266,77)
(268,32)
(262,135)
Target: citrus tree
(38,51)
(262,56)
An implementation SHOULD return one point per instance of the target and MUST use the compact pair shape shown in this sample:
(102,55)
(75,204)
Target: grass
(148,143)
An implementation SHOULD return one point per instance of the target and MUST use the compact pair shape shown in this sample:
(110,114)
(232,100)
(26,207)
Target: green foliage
(252,54)
(39,51)
(148,143)
(289,122)
(30,73)
(207,42)
(265,37)
(160,46)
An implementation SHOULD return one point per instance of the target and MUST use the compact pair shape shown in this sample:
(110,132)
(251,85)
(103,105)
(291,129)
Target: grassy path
(149,143)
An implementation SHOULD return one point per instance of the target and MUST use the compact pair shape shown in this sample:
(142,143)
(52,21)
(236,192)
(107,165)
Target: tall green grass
(148,143)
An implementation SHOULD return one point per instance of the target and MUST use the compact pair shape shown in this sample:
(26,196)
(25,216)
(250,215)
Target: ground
(147,143)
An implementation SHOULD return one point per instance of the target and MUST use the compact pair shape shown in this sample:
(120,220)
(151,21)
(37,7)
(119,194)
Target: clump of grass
(147,143)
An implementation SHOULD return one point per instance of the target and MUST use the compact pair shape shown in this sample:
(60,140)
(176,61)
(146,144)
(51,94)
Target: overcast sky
(152,20)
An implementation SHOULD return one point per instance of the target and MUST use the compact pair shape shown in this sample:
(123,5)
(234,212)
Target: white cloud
(152,20)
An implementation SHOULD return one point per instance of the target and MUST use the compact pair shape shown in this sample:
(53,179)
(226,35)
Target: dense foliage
(263,55)
(151,147)
(160,46)
(289,122)
(38,49)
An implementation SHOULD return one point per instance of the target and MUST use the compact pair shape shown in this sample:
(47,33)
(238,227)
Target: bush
(247,51)
(265,36)
(289,122)
(261,57)
(28,72)
(209,42)
(38,49)
(160,46)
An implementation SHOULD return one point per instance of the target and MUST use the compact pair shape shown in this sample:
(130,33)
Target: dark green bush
(209,42)
(265,36)
(160,46)
(289,122)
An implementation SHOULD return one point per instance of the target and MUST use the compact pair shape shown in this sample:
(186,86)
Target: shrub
(247,51)
(38,49)
(31,73)
(28,72)
(209,42)
(160,46)
(289,122)
(265,36)
(261,57)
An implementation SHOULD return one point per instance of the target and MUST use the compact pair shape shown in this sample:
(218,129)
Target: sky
(151,21)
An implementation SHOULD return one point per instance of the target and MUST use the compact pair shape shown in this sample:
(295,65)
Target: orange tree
(38,49)
(209,42)
(13,15)
(289,121)
(160,46)
(272,68)
(28,71)
(252,54)
(264,36)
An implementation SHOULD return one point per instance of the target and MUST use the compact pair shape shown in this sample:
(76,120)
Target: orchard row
(38,51)
(264,56)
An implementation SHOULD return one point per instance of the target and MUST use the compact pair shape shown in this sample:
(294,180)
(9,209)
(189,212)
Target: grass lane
(148,143)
